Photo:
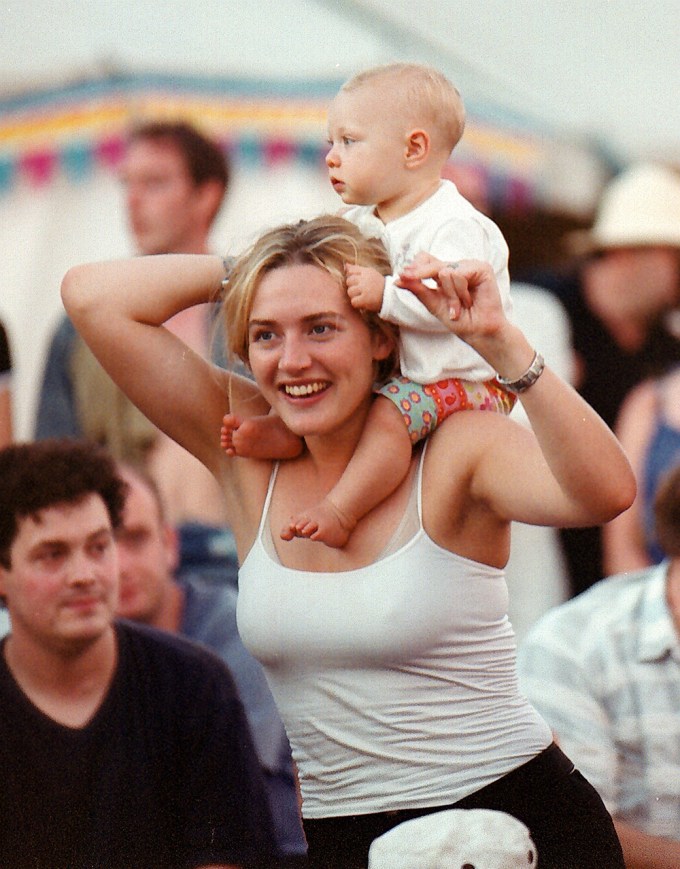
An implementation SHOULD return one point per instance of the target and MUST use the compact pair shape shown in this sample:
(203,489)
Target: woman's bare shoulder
(464,436)
(455,514)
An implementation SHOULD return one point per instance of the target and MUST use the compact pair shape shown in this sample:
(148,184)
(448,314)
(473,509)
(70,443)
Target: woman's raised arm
(119,308)
(571,470)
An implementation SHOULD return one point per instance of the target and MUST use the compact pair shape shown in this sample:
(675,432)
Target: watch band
(530,376)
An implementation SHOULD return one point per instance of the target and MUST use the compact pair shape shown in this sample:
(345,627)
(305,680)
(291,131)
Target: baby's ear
(417,147)
(383,345)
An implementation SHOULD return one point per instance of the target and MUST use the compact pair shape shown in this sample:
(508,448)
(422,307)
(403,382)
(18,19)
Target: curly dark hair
(34,476)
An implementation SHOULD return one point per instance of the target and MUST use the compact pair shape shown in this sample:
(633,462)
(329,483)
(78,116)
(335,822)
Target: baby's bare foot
(325,523)
(258,437)
(230,424)
(302,526)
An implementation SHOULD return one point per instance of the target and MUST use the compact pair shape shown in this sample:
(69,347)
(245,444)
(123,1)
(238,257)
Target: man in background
(120,746)
(622,297)
(175,180)
(204,612)
(604,671)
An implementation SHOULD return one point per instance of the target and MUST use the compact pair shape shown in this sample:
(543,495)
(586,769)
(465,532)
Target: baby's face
(367,146)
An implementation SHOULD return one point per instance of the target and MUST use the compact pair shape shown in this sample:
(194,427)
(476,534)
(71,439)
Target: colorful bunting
(74,131)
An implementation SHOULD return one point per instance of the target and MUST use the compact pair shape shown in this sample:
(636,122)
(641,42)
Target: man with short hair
(120,746)
(204,612)
(174,178)
(603,670)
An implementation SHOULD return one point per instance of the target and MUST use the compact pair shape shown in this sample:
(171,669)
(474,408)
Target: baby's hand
(365,287)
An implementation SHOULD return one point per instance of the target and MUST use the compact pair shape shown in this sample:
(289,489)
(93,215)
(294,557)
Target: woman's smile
(304,390)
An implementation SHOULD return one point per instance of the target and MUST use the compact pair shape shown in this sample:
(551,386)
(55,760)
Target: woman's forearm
(584,456)
(119,308)
(144,289)
(595,481)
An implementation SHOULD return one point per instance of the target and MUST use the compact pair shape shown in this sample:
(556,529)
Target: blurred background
(560,96)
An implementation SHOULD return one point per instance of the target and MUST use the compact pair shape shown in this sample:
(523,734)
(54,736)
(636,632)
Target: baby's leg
(455,394)
(258,437)
(378,466)
(403,414)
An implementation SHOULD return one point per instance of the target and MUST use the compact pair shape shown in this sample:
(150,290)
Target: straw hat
(640,207)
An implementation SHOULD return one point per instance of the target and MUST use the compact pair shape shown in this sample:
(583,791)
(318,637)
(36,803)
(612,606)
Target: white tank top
(396,682)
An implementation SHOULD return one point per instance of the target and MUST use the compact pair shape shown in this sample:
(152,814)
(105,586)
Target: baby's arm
(379,464)
(369,290)
(455,240)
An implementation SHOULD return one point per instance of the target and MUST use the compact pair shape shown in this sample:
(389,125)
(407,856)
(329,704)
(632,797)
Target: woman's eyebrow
(309,318)
(323,315)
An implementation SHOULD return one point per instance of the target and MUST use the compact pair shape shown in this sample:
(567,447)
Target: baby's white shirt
(450,228)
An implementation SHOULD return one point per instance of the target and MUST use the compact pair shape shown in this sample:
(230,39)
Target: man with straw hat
(623,302)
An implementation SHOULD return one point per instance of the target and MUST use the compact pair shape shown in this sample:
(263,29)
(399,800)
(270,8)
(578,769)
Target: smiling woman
(309,352)
(391,658)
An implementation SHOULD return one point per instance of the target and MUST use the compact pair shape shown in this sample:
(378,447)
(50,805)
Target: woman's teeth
(306,389)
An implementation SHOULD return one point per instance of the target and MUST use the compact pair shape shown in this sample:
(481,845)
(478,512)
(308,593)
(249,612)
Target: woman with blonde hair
(391,659)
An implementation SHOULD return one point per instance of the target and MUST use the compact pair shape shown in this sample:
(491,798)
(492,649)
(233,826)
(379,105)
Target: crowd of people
(256,604)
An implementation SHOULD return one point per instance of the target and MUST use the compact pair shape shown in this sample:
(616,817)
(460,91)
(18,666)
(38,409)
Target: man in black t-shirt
(120,746)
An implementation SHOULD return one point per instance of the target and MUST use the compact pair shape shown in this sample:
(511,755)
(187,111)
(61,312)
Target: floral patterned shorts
(424,406)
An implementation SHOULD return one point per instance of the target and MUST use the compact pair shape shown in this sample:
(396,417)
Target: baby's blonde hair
(423,94)
(328,242)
